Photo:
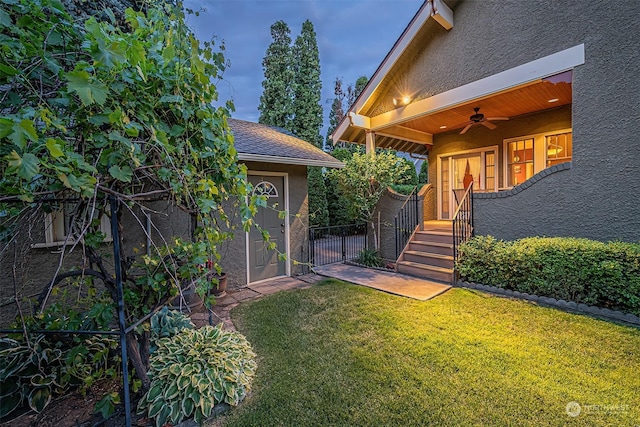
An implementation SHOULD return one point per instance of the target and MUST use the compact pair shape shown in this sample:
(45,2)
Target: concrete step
(433,236)
(427,258)
(439,274)
(431,247)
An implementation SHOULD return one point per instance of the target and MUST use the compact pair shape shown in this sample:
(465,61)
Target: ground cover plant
(580,270)
(337,354)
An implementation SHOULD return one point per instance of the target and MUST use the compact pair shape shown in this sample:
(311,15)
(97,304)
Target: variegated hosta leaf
(39,398)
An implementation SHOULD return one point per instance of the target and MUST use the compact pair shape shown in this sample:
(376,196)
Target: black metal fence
(406,221)
(337,243)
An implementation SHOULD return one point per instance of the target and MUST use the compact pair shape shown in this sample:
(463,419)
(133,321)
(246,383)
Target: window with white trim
(58,226)
(519,161)
(525,156)
(558,148)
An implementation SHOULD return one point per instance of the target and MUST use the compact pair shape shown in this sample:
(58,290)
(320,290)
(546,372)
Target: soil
(74,410)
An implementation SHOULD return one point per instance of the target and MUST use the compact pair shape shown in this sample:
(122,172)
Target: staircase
(429,253)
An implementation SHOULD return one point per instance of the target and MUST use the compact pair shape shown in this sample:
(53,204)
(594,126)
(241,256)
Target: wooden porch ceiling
(526,99)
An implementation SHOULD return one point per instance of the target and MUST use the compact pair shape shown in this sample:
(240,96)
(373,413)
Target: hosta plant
(33,373)
(196,369)
(166,323)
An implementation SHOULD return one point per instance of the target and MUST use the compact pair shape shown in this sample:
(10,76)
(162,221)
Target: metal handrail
(462,224)
(405,222)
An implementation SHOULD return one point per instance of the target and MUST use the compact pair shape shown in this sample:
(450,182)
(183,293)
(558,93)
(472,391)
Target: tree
(91,112)
(364,179)
(341,102)
(409,177)
(340,212)
(318,210)
(307,119)
(276,101)
(423,176)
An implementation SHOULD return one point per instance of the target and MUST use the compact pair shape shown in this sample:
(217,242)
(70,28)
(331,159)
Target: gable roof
(351,127)
(261,143)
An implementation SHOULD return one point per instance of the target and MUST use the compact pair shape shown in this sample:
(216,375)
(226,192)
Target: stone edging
(528,183)
(561,304)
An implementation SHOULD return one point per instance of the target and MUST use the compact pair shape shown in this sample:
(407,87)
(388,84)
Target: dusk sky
(353,38)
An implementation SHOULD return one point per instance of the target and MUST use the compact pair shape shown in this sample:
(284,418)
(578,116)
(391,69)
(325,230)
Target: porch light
(402,101)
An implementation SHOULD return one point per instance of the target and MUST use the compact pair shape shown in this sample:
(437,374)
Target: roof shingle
(258,142)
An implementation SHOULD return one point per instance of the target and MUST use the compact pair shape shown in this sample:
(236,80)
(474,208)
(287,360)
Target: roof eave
(436,9)
(249,157)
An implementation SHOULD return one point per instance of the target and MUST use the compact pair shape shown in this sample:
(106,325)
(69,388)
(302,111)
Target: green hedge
(580,270)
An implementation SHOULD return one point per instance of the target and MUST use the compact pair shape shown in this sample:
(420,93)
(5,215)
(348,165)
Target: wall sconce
(401,101)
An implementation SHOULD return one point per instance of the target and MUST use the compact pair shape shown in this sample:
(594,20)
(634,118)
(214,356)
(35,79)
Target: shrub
(33,373)
(370,258)
(196,369)
(572,269)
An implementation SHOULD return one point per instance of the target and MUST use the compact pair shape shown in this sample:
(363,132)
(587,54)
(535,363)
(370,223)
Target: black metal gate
(337,243)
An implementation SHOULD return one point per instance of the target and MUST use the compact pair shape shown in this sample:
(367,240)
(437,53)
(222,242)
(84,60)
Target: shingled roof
(261,143)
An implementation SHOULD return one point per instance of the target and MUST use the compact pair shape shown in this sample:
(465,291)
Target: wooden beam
(370,143)
(408,134)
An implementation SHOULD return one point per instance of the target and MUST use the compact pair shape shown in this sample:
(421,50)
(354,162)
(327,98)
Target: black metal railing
(462,221)
(406,220)
(337,243)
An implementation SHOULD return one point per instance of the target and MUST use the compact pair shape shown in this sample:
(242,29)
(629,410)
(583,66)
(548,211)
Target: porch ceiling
(525,99)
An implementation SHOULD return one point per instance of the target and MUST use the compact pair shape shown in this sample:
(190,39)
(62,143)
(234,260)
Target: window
(265,188)
(58,225)
(558,148)
(525,156)
(519,161)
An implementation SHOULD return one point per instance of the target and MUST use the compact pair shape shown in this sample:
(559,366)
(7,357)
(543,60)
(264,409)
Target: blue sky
(353,38)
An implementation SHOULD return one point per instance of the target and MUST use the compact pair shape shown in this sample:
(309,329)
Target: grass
(342,355)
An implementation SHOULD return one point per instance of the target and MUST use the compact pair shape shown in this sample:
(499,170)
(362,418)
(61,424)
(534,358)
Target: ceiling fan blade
(466,128)
(488,124)
(497,118)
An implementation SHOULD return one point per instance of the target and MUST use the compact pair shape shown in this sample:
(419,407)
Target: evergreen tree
(336,114)
(307,118)
(423,177)
(318,211)
(353,92)
(276,101)
(307,87)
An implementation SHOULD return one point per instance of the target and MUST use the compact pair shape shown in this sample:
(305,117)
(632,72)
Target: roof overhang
(416,122)
(443,15)
(248,157)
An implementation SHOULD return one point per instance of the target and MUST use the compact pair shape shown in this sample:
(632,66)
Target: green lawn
(342,355)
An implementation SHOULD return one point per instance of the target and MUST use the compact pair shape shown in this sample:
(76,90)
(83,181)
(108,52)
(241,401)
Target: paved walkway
(387,281)
(391,282)
(222,309)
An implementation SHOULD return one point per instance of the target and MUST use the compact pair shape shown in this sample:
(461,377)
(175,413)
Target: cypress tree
(276,101)
(307,87)
(307,119)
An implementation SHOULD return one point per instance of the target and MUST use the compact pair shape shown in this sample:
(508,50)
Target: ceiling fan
(479,119)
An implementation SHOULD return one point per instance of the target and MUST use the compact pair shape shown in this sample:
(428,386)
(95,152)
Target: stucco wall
(388,207)
(34,267)
(596,198)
